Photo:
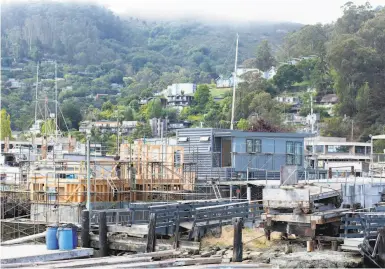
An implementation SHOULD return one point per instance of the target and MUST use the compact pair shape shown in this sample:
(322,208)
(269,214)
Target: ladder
(112,185)
(216,190)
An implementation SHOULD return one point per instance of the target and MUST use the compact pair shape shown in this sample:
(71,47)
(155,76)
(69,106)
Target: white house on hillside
(180,95)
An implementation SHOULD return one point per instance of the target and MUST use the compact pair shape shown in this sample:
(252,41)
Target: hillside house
(145,101)
(337,154)
(224,153)
(224,82)
(328,102)
(15,84)
(105,126)
(329,99)
(269,74)
(127,127)
(291,100)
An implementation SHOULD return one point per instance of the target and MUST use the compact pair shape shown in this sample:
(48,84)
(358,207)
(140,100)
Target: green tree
(5,125)
(154,109)
(134,104)
(107,106)
(129,114)
(264,56)
(142,130)
(336,127)
(71,111)
(286,76)
(48,127)
(202,97)
(264,106)
(243,125)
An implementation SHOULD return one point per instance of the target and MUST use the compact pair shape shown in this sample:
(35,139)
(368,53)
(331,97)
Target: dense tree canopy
(5,128)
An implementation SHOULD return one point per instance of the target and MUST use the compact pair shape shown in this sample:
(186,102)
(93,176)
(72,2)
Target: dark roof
(330,98)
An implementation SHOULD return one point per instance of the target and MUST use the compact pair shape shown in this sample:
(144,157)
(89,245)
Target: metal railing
(219,215)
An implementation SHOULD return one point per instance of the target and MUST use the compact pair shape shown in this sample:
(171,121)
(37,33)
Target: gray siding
(207,154)
(199,152)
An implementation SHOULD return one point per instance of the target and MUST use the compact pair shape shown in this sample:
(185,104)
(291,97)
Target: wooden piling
(237,245)
(151,237)
(85,234)
(103,241)
(176,234)
(309,245)
(334,245)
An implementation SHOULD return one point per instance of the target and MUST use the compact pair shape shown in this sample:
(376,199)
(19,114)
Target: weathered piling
(103,241)
(237,245)
(334,245)
(85,234)
(151,237)
(176,234)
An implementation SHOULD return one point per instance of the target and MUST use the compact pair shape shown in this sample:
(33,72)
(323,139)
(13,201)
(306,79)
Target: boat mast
(234,86)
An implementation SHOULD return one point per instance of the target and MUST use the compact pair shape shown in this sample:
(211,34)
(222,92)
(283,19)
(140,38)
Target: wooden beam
(23,239)
(139,244)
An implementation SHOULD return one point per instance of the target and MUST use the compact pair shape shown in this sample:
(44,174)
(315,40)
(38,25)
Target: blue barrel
(65,238)
(75,236)
(51,239)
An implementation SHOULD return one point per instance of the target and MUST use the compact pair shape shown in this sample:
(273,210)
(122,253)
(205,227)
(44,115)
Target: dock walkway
(39,253)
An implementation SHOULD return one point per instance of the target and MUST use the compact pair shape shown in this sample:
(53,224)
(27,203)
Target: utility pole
(234,86)
(311,113)
(88,177)
(37,87)
(352,129)
(117,132)
(56,122)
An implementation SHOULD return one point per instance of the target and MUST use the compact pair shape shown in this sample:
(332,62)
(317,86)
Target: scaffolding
(55,191)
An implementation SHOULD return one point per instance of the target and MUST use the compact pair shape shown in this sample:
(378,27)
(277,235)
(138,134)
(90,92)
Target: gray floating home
(224,154)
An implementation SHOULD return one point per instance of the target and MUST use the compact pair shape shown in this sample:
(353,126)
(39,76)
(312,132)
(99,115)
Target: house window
(298,153)
(177,158)
(204,138)
(257,146)
(338,149)
(289,153)
(253,146)
(249,145)
(360,150)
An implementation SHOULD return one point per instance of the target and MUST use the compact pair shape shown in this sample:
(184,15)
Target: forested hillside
(94,48)
(352,64)
(126,59)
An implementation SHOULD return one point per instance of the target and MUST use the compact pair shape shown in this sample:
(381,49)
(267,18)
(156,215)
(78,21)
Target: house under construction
(56,191)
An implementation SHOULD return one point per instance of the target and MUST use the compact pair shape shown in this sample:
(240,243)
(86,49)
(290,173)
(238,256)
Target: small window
(177,158)
(298,153)
(249,145)
(257,146)
(183,139)
(253,146)
(204,138)
(289,153)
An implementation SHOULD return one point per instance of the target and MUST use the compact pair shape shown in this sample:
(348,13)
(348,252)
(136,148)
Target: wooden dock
(39,253)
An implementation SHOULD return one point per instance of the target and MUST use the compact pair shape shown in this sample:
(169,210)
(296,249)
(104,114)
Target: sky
(301,11)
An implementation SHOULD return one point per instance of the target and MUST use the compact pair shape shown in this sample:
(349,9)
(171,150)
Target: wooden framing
(142,172)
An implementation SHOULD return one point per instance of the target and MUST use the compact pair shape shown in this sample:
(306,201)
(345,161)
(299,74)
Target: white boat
(9,169)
